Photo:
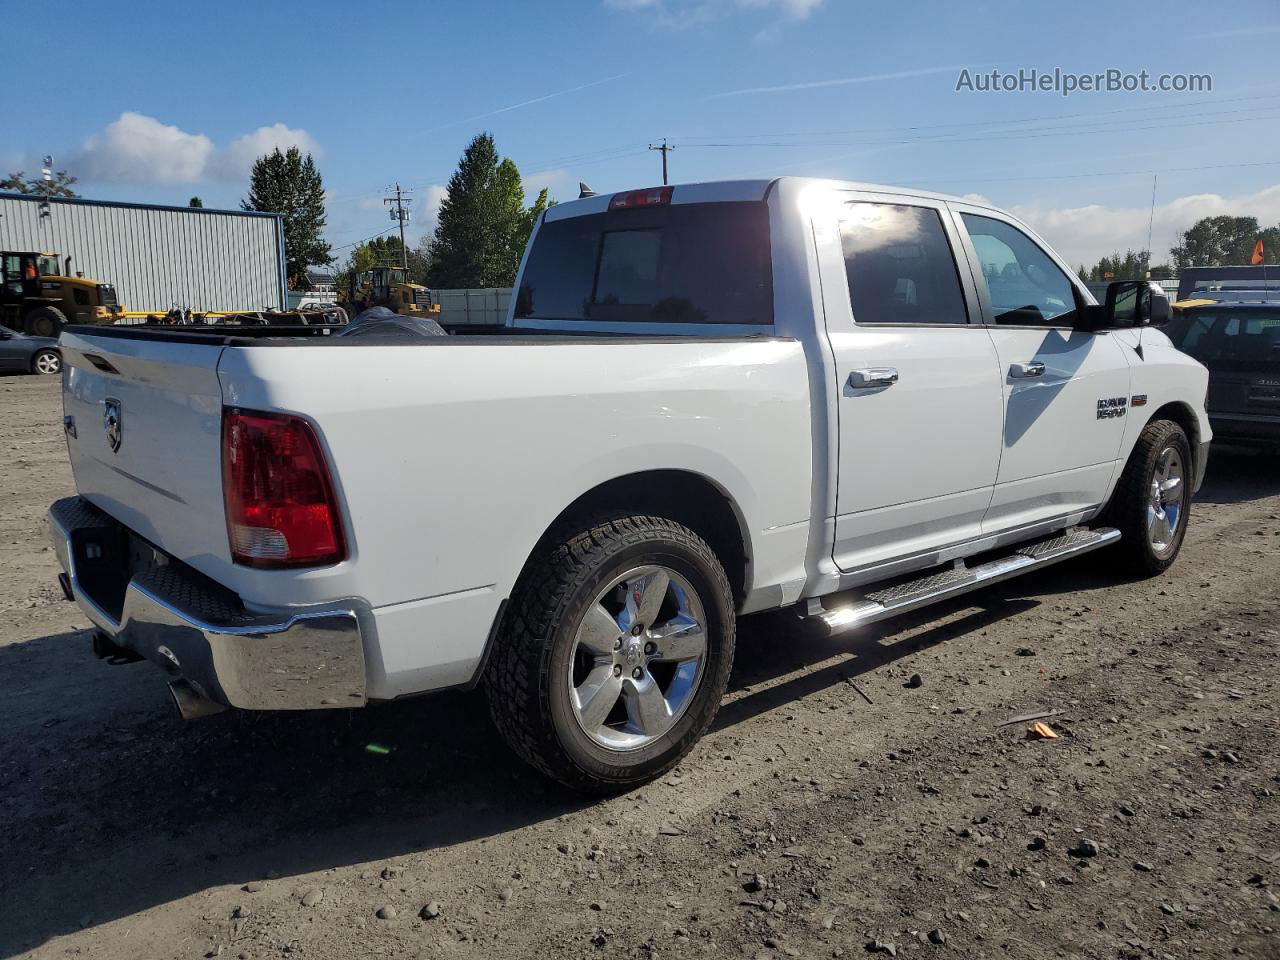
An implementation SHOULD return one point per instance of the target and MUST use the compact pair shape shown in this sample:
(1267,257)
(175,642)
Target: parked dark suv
(1239,341)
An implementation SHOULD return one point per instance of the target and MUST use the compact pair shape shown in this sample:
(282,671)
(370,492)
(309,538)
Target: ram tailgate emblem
(111,421)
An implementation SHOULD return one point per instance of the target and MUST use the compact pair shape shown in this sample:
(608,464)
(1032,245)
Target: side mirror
(1129,303)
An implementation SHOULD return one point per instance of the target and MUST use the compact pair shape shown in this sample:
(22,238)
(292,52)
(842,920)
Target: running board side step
(891,601)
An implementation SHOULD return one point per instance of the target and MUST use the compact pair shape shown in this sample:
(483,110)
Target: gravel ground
(837,809)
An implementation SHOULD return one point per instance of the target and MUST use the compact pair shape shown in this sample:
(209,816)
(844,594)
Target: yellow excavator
(39,295)
(389,287)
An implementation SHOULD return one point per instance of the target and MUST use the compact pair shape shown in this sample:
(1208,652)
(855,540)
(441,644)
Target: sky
(157,102)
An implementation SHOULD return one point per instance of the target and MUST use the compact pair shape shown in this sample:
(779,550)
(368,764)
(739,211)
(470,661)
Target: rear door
(1066,392)
(920,403)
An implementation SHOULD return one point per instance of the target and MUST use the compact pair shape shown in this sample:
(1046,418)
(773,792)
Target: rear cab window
(696,263)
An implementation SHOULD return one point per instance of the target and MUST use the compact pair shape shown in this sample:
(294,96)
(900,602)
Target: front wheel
(615,653)
(1152,501)
(47,362)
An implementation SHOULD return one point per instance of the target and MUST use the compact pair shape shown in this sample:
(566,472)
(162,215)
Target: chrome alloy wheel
(1164,500)
(638,658)
(48,362)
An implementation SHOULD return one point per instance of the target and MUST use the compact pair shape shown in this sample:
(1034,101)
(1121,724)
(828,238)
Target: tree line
(1221,241)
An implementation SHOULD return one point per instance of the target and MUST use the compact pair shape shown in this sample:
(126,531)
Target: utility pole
(400,212)
(665,148)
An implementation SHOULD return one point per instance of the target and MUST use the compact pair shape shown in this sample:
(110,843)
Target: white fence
(481,306)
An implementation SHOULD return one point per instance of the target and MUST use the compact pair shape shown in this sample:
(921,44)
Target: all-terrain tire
(1135,553)
(46,321)
(528,676)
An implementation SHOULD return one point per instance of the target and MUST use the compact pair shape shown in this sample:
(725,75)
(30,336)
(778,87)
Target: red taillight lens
(653,197)
(281,511)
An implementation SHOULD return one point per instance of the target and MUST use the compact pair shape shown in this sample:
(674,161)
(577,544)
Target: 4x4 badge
(111,420)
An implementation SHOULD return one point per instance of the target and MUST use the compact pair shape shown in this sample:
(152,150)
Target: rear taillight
(653,197)
(281,511)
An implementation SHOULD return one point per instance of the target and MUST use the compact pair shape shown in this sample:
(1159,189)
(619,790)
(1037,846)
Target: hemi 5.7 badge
(1112,407)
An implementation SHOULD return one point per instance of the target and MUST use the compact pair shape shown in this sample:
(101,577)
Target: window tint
(899,265)
(683,263)
(1026,287)
(1237,340)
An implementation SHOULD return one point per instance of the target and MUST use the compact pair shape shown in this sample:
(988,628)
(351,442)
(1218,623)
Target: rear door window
(899,265)
(681,263)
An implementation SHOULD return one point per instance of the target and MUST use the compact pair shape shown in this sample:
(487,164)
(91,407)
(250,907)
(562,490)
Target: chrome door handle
(871,377)
(1024,371)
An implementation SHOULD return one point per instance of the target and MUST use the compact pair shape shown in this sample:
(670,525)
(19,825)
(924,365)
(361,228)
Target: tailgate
(145,438)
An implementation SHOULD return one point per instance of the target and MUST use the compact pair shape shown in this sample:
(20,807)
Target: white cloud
(136,148)
(140,149)
(236,160)
(1084,234)
(686,13)
(429,213)
(551,179)
(798,9)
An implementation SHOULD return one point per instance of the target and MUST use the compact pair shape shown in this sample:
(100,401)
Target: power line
(916,128)
(356,243)
(1100,173)
(1032,134)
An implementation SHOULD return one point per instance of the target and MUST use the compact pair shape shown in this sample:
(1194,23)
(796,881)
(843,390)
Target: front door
(919,403)
(1066,392)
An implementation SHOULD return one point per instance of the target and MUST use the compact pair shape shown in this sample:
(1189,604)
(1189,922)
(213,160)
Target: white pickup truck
(713,399)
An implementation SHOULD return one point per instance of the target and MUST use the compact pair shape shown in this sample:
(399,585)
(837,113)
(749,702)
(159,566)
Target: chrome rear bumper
(298,659)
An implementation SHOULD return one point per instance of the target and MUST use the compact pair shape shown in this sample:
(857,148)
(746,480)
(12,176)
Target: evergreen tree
(195,202)
(483,223)
(289,184)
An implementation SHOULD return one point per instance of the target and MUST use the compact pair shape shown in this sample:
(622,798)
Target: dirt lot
(810,823)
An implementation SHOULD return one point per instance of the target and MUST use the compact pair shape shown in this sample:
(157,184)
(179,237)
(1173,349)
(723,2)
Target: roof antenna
(584,191)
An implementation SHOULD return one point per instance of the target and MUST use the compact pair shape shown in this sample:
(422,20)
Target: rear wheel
(47,362)
(615,654)
(46,321)
(1152,501)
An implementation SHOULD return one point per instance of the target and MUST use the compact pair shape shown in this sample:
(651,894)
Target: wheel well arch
(688,498)
(1182,414)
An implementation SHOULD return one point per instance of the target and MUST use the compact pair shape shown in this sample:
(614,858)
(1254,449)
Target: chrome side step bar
(890,601)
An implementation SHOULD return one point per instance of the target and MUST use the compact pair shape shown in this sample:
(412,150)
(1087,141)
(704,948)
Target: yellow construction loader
(389,287)
(39,295)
